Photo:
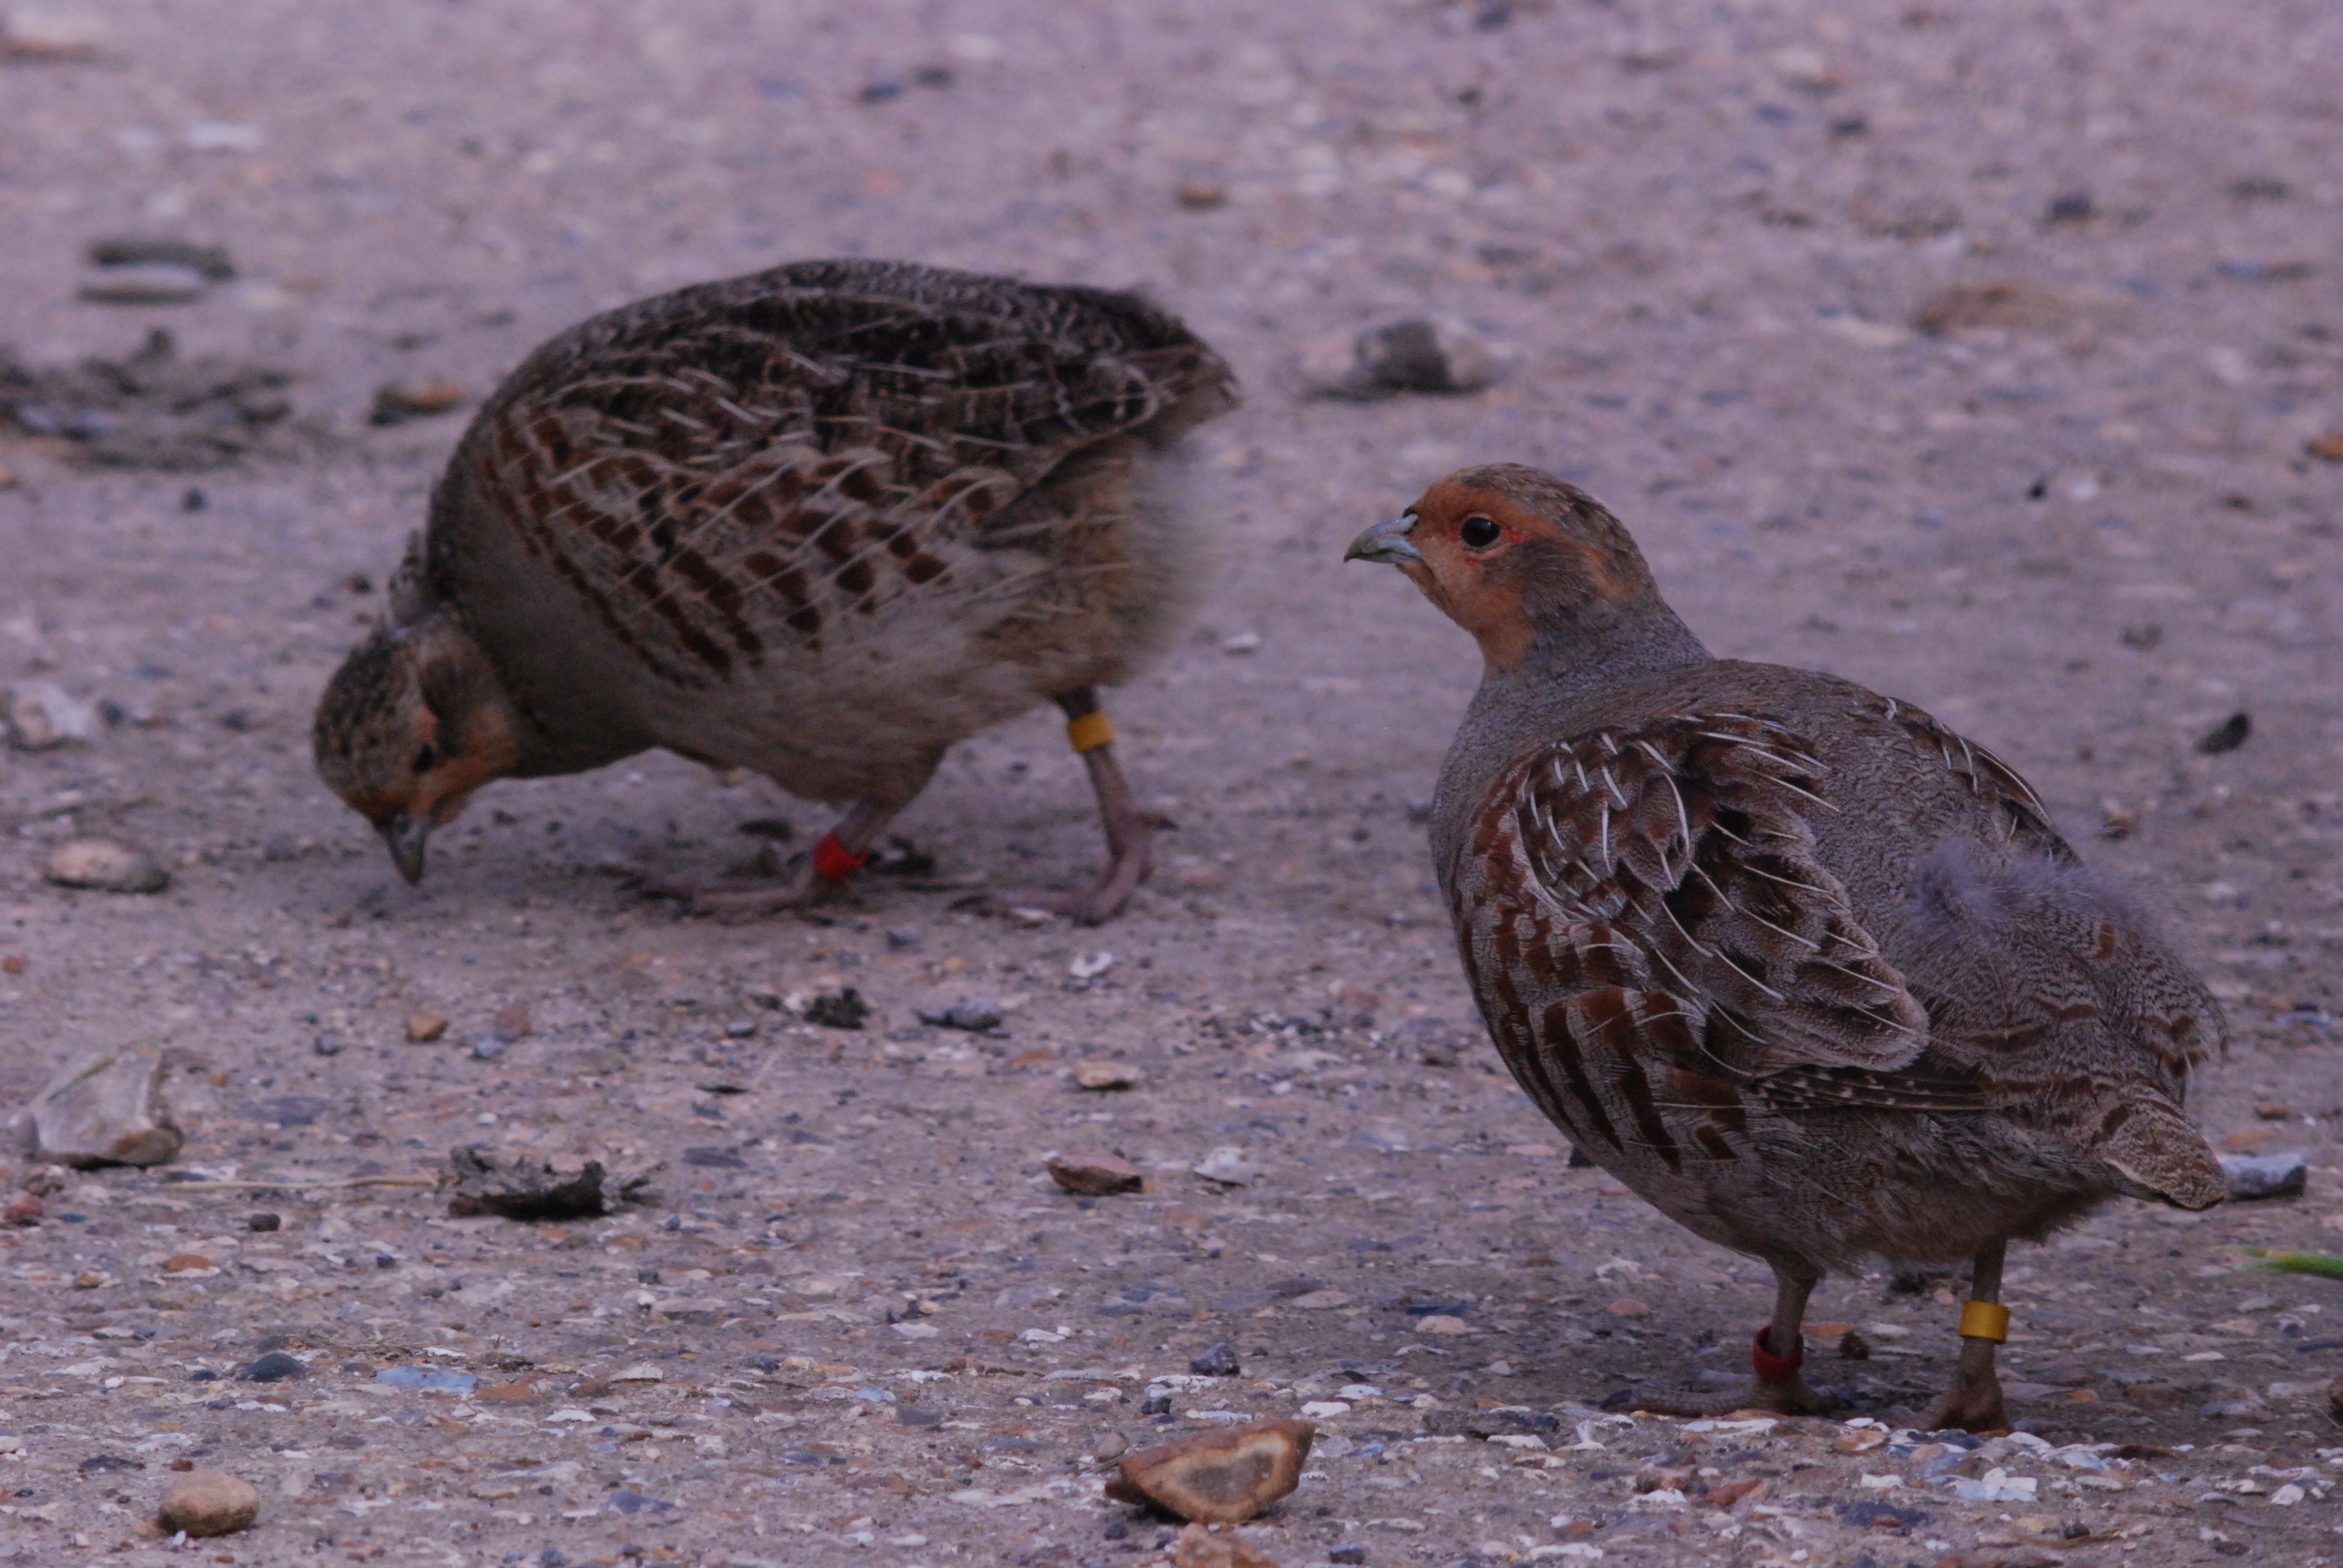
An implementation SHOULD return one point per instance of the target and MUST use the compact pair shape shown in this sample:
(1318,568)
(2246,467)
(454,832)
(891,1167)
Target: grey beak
(1387,542)
(406,840)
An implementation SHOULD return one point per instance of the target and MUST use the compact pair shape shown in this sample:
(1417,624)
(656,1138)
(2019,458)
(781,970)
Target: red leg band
(833,863)
(1774,1369)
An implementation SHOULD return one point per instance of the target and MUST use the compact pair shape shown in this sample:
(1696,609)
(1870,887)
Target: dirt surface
(2070,511)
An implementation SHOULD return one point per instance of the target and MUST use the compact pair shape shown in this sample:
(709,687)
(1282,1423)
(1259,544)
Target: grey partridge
(1806,971)
(821,522)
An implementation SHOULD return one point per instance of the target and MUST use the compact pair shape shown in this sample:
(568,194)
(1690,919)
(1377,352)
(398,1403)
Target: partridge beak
(1387,542)
(407,840)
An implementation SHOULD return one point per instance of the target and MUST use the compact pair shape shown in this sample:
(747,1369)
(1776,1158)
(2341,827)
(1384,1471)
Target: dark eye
(1479,533)
(425,758)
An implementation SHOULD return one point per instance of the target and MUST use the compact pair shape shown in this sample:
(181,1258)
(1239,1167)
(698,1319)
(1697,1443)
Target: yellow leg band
(1985,1321)
(1090,731)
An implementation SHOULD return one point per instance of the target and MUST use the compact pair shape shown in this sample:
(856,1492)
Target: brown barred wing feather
(1681,851)
(771,464)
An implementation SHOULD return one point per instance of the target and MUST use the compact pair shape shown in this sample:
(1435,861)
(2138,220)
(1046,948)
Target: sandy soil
(2077,519)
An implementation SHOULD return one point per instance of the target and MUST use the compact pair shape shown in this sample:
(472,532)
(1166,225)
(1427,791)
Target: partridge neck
(1570,668)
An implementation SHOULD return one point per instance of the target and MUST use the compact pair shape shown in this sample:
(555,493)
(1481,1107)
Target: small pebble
(1218,1359)
(1228,1166)
(327,1045)
(274,1367)
(396,402)
(41,715)
(264,1221)
(428,1380)
(846,1009)
(901,937)
(1222,1477)
(146,283)
(974,1013)
(105,867)
(2227,736)
(2252,1176)
(1425,356)
(138,250)
(22,1210)
(1096,1172)
(423,1028)
(1104,1076)
(208,1502)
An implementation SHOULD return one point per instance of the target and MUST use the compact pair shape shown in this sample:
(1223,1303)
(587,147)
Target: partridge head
(1517,557)
(411,725)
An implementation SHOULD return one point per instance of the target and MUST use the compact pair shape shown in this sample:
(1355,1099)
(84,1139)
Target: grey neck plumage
(1572,669)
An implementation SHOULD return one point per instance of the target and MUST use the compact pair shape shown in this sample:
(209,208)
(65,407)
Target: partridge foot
(1970,1405)
(1793,1398)
(1130,842)
(766,884)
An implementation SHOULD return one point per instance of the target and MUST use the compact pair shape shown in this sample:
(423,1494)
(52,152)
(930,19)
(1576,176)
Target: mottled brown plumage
(822,522)
(1806,969)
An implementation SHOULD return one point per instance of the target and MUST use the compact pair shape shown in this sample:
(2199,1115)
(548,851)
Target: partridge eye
(1479,533)
(425,758)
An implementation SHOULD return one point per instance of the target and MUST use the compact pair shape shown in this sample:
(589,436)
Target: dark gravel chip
(274,1367)
(1880,1516)
(103,1464)
(974,1013)
(838,1009)
(2230,734)
(487,1184)
(149,250)
(1216,1361)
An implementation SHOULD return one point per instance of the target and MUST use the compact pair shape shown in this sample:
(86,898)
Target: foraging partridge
(821,522)
(1808,971)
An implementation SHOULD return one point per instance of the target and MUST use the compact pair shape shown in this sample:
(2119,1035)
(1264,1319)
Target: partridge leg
(1974,1401)
(1778,1356)
(1130,826)
(837,856)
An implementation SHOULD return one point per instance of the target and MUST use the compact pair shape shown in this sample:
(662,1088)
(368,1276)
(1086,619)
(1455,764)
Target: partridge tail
(2157,1154)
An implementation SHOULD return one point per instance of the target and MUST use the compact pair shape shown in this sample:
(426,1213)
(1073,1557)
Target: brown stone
(396,402)
(187,1262)
(511,1020)
(1095,1172)
(1730,1493)
(2328,446)
(24,1208)
(1217,1477)
(1201,1548)
(508,1392)
(209,1502)
(423,1028)
(2335,1396)
(1106,1075)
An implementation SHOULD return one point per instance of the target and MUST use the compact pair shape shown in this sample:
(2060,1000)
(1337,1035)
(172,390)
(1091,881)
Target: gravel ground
(1970,351)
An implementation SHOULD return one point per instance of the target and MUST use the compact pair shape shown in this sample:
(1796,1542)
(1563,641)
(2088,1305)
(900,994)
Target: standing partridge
(1809,972)
(821,522)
